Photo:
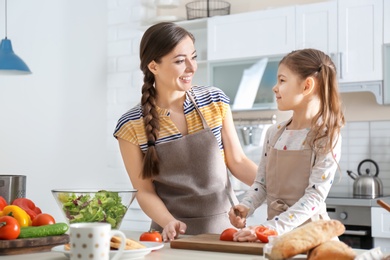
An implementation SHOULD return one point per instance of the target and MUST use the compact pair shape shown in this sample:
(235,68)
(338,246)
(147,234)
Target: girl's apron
(287,176)
(192,181)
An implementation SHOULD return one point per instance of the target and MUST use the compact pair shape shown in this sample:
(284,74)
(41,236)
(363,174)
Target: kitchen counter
(166,253)
(343,200)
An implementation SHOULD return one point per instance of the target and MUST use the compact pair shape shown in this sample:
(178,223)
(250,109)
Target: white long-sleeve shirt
(322,176)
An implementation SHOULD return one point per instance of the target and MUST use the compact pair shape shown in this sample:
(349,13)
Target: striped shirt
(211,101)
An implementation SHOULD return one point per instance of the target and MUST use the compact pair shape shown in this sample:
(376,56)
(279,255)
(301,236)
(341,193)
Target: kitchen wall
(56,125)
(53,123)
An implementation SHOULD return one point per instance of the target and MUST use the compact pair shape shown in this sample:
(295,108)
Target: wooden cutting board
(31,245)
(211,242)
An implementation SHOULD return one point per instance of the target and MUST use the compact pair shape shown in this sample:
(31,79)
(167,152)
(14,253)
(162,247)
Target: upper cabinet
(386,18)
(360,40)
(351,32)
(316,27)
(253,34)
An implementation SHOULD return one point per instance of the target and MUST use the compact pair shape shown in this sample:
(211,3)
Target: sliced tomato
(227,234)
(263,233)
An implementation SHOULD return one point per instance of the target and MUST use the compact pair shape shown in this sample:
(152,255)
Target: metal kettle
(366,185)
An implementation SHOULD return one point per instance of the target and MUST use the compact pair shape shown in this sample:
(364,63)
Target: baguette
(130,243)
(332,249)
(304,238)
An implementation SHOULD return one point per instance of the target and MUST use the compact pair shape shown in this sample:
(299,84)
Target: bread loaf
(304,238)
(332,249)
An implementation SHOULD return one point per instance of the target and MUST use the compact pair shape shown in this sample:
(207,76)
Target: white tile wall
(124,82)
(364,140)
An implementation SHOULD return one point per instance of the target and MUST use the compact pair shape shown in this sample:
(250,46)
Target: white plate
(127,254)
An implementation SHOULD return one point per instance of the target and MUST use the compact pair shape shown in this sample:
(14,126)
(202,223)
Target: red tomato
(9,228)
(263,233)
(3,203)
(227,234)
(43,219)
(151,235)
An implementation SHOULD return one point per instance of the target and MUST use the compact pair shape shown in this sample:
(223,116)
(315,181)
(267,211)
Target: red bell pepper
(3,203)
(28,206)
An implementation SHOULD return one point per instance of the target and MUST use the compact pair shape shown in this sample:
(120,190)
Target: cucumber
(43,231)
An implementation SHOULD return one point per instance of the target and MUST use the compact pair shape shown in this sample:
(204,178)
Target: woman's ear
(152,66)
(309,85)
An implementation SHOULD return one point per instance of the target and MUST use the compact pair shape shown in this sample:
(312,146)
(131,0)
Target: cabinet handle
(356,232)
(341,64)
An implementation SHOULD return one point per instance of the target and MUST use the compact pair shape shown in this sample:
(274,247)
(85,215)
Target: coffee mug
(92,241)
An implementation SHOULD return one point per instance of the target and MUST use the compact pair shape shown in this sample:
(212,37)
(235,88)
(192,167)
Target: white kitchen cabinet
(316,27)
(360,39)
(351,33)
(199,28)
(253,34)
(386,18)
(380,228)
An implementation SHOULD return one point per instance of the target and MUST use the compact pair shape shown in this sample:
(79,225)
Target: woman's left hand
(173,229)
(246,234)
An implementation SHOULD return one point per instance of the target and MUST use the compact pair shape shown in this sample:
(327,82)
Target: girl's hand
(237,216)
(246,234)
(173,229)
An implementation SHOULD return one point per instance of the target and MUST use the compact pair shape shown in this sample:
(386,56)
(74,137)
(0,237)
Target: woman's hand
(238,220)
(173,229)
(246,234)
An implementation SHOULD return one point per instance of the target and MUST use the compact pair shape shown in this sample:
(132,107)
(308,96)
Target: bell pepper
(28,206)
(3,203)
(18,213)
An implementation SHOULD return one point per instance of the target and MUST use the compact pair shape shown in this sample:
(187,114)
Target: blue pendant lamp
(10,63)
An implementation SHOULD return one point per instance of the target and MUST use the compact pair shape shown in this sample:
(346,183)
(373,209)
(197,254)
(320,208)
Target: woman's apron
(287,176)
(192,181)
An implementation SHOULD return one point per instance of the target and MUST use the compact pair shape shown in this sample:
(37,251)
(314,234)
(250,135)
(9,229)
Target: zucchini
(43,231)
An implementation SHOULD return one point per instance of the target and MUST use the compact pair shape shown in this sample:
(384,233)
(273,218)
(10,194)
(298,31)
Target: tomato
(263,233)
(9,228)
(151,235)
(227,234)
(3,203)
(43,219)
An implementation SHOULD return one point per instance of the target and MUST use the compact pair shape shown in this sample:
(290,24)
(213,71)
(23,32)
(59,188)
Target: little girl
(300,156)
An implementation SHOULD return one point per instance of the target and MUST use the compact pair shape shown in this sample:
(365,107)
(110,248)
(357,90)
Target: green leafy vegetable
(105,206)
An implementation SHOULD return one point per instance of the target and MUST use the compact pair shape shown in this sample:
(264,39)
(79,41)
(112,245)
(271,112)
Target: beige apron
(287,176)
(192,181)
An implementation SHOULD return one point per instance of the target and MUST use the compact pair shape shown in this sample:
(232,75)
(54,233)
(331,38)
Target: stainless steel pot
(12,187)
(366,185)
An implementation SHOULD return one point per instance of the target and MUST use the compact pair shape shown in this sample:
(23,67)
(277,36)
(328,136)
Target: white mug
(92,241)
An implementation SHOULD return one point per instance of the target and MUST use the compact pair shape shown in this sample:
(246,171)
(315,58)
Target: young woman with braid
(179,141)
(300,156)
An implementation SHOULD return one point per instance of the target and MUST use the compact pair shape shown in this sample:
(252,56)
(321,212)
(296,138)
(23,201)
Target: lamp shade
(10,63)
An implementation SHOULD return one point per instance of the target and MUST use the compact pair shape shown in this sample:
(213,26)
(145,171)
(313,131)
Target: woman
(177,142)
(300,156)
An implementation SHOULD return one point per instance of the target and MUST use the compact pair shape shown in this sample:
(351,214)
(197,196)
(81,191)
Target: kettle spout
(352,174)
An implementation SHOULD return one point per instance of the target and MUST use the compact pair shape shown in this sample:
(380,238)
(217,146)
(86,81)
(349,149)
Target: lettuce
(105,206)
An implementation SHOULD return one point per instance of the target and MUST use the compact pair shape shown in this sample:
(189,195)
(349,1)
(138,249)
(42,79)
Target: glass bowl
(86,205)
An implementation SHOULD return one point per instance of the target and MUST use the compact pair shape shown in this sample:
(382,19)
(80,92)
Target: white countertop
(166,253)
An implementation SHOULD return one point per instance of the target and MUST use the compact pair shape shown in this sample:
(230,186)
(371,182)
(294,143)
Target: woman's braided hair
(157,41)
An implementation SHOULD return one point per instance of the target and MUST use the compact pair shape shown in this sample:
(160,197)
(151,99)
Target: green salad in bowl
(109,206)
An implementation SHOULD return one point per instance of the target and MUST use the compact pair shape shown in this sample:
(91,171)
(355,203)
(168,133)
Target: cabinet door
(252,34)
(360,40)
(316,27)
(386,17)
